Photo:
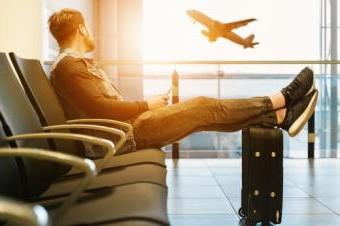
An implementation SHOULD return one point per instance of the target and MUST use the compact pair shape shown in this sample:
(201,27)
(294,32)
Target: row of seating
(127,189)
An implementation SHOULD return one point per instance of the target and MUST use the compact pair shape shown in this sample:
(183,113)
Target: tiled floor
(204,192)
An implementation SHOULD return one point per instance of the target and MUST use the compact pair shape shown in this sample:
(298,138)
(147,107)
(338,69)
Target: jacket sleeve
(79,86)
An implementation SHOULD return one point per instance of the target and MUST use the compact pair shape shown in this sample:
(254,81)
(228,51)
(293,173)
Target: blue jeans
(163,126)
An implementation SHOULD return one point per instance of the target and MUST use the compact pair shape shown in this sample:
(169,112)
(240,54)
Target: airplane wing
(238,24)
(234,38)
(245,42)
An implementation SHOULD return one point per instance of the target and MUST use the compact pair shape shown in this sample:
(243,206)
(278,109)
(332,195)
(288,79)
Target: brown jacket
(85,91)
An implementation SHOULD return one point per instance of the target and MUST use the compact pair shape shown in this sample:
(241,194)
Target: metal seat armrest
(128,126)
(86,165)
(20,213)
(71,136)
(121,134)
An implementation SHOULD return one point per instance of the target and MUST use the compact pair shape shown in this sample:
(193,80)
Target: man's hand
(157,102)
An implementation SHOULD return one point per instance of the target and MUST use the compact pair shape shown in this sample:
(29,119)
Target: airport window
(170,34)
(169,112)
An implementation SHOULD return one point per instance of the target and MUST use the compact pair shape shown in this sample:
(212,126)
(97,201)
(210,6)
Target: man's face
(87,37)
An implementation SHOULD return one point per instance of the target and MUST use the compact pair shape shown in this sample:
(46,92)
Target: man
(85,91)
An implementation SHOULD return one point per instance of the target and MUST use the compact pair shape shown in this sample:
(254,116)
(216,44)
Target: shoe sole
(304,117)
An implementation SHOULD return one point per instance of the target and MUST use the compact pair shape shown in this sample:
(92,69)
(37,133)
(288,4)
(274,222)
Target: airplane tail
(249,41)
(250,38)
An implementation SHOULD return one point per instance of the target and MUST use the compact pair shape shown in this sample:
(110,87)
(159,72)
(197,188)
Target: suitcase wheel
(241,212)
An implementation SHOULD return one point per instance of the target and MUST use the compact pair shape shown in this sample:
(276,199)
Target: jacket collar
(66,52)
(71,52)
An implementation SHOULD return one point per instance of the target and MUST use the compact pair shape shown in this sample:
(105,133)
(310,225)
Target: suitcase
(262,176)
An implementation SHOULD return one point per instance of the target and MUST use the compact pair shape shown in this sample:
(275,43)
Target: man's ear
(82,29)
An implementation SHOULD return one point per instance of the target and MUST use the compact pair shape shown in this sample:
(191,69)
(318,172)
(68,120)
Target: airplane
(217,29)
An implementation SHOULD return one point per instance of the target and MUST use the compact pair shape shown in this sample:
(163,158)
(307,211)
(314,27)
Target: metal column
(311,136)
(175,99)
(334,72)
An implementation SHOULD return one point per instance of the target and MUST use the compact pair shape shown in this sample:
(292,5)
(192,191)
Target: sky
(286,29)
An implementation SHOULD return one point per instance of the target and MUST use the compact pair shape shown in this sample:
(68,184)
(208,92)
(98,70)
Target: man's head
(69,28)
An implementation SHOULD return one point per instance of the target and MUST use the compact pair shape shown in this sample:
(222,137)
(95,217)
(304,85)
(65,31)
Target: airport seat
(21,119)
(13,212)
(148,197)
(40,176)
(50,111)
(142,202)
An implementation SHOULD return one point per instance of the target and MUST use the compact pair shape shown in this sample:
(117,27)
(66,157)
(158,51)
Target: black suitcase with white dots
(262,176)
